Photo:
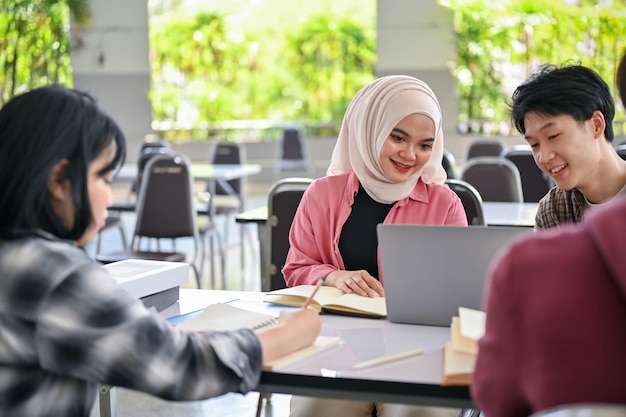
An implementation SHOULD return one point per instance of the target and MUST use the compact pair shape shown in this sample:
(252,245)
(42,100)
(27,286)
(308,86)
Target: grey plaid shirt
(65,327)
(560,206)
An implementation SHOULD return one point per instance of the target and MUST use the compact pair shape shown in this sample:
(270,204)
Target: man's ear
(58,182)
(598,123)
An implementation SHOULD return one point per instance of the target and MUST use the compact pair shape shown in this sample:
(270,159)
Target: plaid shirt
(65,327)
(560,206)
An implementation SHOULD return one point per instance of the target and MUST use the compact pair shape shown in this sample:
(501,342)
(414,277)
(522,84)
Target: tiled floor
(239,276)
(136,404)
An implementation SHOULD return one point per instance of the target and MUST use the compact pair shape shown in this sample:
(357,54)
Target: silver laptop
(430,271)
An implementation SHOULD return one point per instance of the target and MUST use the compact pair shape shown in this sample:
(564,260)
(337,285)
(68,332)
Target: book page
(321,343)
(459,342)
(222,317)
(330,299)
(457,367)
(296,296)
(472,322)
(358,304)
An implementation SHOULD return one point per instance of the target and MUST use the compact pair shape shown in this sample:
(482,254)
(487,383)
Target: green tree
(34,43)
(194,66)
(331,60)
(209,66)
(499,44)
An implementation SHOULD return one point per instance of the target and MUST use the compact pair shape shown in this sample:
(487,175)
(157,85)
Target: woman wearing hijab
(385,168)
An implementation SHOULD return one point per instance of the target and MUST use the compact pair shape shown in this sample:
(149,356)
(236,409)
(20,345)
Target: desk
(510,214)
(200,171)
(413,380)
(212,173)
(496,214)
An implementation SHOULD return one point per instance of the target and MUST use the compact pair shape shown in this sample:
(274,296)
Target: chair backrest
(495,178)
(535,183)
(621,151)
(165,204)
(283,199)
(484,147)
(231,153)
(449,164)
(292,154)
(583,410)
(147,152)
(152,140)
(471,199)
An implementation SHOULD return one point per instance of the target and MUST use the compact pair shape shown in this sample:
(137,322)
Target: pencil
(317,287)
(388,358)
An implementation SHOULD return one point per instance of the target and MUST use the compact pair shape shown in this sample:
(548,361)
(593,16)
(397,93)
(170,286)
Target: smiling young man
(566,116)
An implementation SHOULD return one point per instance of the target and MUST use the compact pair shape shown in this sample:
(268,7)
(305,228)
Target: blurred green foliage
(499,44)
(34,43)
(257,62)
(214,61)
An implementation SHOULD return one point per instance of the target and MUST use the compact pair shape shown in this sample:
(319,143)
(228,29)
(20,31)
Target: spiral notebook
(223,317)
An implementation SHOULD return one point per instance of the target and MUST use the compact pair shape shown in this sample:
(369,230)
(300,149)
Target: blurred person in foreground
(66,327)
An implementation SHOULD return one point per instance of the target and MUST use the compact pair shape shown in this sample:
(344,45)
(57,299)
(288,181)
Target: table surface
(414,380)
(200,171)
(496,214)
(510,214)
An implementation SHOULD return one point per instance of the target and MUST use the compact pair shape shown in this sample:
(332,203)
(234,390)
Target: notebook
(223,317)
(330,300)
(459,355)
(430,271)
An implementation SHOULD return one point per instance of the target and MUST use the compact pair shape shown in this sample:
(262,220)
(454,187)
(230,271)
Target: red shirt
(556,319)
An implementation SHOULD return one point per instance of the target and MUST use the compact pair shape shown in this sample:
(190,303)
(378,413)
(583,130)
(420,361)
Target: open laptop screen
(430,271)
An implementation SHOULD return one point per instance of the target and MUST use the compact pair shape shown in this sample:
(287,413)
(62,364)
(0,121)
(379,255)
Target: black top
(358,243)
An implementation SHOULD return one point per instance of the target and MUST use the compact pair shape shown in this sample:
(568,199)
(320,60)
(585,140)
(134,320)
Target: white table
(415,380)
(510,214)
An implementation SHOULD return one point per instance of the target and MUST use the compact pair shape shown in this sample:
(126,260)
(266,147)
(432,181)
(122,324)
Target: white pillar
(110,60)
(416,37)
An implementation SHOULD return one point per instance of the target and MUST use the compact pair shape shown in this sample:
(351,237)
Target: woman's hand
(355,282)
(295,330)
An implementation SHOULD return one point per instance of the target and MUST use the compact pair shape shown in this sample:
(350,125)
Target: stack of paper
(459,355)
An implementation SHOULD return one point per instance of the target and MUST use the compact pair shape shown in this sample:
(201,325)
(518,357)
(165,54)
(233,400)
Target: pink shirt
(325,207)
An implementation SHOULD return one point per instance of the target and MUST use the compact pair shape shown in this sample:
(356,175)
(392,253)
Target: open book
(329,299)
(223,317)
(459,355)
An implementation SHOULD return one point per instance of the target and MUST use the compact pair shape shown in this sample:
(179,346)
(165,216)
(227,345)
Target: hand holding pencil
(320,282)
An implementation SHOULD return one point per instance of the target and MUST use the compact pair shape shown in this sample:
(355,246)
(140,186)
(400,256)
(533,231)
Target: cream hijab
(371,116)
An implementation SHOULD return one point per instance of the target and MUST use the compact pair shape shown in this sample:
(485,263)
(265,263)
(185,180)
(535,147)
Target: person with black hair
(566,116)
(65,325)
(620,79)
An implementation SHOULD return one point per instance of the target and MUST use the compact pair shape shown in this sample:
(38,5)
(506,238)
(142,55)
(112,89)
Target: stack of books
(459,355)
(155,283)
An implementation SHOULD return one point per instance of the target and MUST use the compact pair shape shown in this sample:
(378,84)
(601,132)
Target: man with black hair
(566,116)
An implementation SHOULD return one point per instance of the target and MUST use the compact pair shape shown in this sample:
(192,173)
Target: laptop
(430,271)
